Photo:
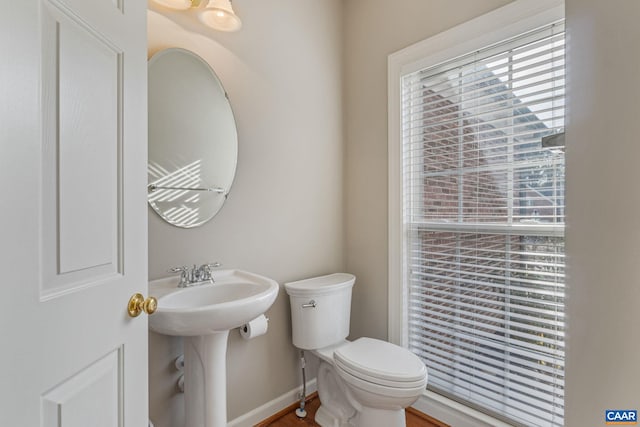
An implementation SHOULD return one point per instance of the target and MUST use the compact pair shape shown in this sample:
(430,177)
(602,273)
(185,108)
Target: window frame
(494,27)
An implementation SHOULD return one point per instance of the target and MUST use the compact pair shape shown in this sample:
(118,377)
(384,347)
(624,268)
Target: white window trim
(494,27)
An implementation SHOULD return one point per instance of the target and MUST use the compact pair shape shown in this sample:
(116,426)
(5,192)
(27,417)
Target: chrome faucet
(195,275)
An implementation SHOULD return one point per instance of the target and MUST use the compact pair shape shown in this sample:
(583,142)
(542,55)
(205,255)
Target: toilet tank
(320,310)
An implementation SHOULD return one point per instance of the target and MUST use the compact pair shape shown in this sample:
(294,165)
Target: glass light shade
(219,15)
(175,4)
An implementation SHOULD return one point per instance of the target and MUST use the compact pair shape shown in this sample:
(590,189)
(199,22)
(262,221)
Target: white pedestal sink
(204,315)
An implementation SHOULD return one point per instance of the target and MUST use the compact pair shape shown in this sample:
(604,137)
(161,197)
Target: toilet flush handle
(310,304)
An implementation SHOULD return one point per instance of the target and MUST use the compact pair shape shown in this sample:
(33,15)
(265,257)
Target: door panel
(73,231)
(89,398)
(81,207)
(87,147)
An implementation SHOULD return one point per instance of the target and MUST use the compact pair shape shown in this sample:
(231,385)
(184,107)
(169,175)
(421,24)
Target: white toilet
(364,383)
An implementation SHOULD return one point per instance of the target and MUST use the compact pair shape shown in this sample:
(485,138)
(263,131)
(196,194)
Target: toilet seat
(388,394)
(381,363)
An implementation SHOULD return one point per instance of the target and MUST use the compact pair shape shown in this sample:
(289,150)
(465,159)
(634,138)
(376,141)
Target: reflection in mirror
(193,142)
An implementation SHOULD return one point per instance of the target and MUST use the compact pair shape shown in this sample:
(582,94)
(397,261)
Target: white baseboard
(263,412)
(453,413)
(439,407)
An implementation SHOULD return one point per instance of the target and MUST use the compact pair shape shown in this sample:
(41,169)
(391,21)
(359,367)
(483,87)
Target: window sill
(453,413)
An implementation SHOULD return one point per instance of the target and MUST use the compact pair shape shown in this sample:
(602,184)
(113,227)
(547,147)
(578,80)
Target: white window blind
(484,226)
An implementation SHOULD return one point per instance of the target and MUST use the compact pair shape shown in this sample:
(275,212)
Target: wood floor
(288,418)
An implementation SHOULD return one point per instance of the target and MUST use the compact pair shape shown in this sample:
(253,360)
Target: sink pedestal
(204,315)
(205,380)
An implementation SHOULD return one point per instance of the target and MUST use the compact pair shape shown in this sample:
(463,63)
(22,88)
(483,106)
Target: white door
(73,231)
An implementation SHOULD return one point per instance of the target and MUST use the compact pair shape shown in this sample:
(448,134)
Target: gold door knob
(138,304)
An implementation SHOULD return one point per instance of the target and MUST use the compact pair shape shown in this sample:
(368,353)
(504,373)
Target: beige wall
(373,30)
(284,215)
(603,209)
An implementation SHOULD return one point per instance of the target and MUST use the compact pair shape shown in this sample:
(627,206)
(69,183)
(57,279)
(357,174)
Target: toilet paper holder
(255,328)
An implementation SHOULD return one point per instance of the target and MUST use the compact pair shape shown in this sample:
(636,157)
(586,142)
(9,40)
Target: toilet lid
(374,360)
(329,284)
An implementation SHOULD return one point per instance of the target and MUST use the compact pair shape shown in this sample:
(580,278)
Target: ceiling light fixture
(219,15)
(216,14)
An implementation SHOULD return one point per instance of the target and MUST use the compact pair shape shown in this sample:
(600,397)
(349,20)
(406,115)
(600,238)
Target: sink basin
(235,298)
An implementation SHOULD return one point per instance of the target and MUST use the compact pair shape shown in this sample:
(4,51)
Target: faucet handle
(206,270)
(184,272)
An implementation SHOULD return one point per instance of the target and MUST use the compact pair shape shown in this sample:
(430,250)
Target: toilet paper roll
(255,328)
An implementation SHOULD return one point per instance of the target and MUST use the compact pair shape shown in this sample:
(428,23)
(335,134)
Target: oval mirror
(193,142)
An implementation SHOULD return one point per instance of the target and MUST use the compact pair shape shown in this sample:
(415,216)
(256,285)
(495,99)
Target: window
(483,225)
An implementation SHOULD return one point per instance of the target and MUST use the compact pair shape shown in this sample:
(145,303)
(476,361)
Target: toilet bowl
(363,383)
